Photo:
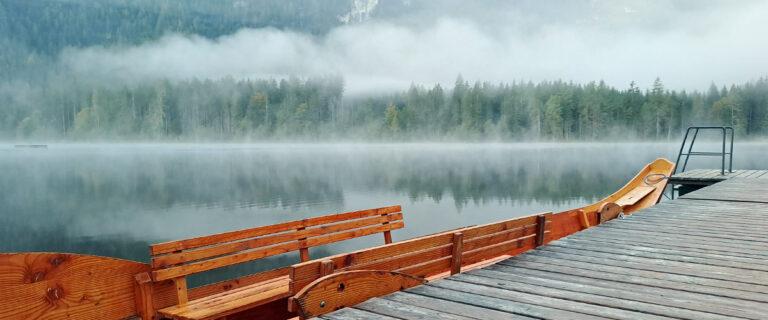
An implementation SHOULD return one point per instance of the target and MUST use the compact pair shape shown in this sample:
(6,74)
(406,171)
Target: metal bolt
(322,304)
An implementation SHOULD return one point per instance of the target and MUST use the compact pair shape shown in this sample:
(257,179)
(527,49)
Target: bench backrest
(434,254)
(175,259)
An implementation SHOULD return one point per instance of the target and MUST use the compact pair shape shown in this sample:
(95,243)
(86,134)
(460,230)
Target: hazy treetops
(382,70)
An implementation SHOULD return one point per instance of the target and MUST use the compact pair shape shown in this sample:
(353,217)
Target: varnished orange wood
(349,288)
(244,256)
(429,255)
(609,211)
(171,246)
(299,234)
(67,286)
(207,253)
(230,302)
(456,252)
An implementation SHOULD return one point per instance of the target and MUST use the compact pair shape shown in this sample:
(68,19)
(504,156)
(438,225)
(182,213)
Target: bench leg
(143,294)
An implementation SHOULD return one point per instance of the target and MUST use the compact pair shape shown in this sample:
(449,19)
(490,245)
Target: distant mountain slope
(47,26)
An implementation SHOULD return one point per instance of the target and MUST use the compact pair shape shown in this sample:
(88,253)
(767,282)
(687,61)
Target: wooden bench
(175,260)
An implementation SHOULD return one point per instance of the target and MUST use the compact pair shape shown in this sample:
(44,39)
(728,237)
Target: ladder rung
(705,154)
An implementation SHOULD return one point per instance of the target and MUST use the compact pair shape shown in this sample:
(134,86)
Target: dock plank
(639,299)
(712,176)
(541,300)
(495,303)
(657,279)
(642,290)
(701,256)
(615,299)
(452,307)
(401,310)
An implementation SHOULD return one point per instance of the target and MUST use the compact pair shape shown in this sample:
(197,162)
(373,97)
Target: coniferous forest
(40,99)
(246,110)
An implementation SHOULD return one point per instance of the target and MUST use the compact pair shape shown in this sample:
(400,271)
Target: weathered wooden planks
(704,256)
(736,189)
(694,179)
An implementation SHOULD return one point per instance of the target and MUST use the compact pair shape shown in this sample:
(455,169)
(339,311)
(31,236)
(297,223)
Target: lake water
(116,199)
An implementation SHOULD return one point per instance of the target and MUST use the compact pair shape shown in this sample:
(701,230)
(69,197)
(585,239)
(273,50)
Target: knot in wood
(38,276)
(57,261)
(54,294)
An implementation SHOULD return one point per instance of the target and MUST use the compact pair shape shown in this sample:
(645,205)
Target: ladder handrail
(725,131)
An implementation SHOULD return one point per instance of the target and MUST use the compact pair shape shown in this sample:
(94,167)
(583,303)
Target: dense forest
(243,110)
(41,99)
(33,33)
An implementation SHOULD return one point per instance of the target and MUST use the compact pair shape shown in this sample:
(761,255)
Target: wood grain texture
(658,166)
(177,259)
(249,255)
(268,240)
(67,286)
(700,257)
(609,211)
(711,176)
(456,252)
(431,255)
(171,246)
(229,302)
(349,288)
(634,195)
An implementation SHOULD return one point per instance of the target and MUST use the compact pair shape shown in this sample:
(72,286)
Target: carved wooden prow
(612,210)
(608,211)
(345,289)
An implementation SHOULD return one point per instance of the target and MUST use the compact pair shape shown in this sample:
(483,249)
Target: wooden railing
(431,256)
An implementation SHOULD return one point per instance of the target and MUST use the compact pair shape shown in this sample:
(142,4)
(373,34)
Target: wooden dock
(703,256)
(712,176)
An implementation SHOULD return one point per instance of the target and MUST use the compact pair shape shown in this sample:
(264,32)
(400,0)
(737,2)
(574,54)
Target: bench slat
(265,241)
(175,260)
(223,304)
(340,236)
(172,246)
(205,265)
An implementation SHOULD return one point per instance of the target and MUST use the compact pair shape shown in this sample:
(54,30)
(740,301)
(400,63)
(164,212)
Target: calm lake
(116,199)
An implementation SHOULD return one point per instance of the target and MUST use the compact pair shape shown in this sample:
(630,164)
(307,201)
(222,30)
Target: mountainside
(50,25)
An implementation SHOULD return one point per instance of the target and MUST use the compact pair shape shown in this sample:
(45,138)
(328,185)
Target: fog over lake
(116,199)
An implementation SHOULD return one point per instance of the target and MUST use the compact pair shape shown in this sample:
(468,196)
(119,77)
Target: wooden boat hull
(571,221)
(69,286)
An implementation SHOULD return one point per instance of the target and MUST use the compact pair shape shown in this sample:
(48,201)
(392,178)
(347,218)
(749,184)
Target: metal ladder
(726,131)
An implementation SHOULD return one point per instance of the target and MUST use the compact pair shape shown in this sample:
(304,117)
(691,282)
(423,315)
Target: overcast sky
(689,44)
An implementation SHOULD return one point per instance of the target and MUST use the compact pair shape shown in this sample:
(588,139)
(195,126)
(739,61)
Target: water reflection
(114,200)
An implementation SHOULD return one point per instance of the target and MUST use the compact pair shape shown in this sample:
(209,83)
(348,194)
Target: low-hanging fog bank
(385,70)
(689,44)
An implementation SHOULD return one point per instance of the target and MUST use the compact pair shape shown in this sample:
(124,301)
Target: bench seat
(173,261)
(230,302)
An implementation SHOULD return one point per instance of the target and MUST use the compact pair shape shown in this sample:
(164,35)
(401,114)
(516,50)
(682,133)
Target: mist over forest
(237,70)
